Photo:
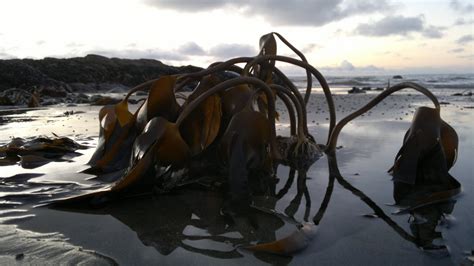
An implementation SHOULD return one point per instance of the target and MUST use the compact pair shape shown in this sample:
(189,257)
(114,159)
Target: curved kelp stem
(231,83)
(291,111)
(296,93)
(314,71)
(299,111)
(309,78)
(332,142)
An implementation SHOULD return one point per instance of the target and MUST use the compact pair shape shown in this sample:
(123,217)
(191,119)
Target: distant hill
(82,74)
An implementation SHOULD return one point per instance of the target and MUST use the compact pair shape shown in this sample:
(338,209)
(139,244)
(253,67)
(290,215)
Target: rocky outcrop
(91,73)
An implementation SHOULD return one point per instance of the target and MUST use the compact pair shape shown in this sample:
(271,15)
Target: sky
(337,36)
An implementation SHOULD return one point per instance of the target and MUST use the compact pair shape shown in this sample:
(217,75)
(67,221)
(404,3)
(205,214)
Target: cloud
(462,21)
(232,50)
(182,53)
(283,12)
(74,45)
(310,48)
(433,32)
(457,50)
(5,55)
(399,25)
(347,67)
(140,54)
(465,39)
(461,7)
(469,57)
(191,48)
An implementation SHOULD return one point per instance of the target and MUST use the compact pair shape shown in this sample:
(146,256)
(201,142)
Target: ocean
(431,81)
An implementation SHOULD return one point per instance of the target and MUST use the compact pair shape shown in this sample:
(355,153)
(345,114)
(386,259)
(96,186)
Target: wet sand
(186,226)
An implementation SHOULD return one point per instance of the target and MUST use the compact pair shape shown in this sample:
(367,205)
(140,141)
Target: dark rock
(4,100)
(366,88)
(15,96)
(91,73)
(355,90)
(19,256)
(103,100)
(380,89)
(54,92)
(397,77)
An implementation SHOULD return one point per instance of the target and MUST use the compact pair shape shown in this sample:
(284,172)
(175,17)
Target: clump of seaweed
(226,128)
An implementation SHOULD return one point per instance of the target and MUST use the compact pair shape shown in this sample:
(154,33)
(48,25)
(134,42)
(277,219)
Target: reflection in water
(428,203)
(198,221)
(193,220)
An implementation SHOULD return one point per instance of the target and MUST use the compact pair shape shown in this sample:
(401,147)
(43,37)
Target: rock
(59,78)
(54,92)
(15,96)
(355,90)
(366,88)
(103,100)
(4,100)
(397,77)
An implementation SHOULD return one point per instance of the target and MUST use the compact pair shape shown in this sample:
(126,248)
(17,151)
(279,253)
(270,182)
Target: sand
(185,227)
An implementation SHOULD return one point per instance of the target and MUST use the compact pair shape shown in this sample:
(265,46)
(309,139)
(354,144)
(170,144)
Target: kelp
(228,122)
(37,151)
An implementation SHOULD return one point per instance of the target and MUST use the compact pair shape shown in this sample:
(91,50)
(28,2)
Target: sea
(438,83)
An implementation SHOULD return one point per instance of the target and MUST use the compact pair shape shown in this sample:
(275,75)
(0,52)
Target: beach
(186,227)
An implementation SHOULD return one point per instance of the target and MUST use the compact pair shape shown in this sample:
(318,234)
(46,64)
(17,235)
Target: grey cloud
(399,25)
(462,21)
(74,45)
(5,55)
(191,48)
(283,12)
(138,54)
(310,47)
(461,7)
(469,56)
(465,39)
(348,67)
(457,50)
(190,6)
(433,32)
(232,50)
(182,53)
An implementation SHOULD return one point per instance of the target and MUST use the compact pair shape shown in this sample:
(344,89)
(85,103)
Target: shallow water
(187,226)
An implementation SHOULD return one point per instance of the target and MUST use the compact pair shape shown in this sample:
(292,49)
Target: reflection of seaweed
(426,170)
(176,221)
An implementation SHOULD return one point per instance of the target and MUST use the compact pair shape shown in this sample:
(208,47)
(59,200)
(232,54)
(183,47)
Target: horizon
(338,37)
